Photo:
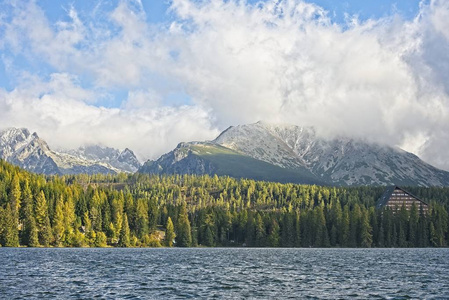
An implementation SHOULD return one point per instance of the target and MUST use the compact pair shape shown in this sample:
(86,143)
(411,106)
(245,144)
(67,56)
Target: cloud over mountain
(112,76)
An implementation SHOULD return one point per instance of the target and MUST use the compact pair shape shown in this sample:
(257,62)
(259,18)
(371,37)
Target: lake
(111,273)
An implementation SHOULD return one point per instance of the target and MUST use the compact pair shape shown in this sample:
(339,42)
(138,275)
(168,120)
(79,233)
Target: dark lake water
(224,273)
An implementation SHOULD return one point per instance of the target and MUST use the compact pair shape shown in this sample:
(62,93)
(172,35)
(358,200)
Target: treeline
(184,210)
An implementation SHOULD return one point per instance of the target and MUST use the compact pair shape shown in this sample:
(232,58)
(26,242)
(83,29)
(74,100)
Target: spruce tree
(183,234)
(169,233)
(125,236)
(43,220)
(58,223)
(273,234)
(260,231)
(10,234)
(366,231)
(345,228)
(29,232)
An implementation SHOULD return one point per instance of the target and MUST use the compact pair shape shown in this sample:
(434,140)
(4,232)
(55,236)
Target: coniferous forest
(140,210)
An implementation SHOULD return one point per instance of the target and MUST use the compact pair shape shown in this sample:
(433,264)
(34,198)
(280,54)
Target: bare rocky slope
(20,147)
(290,153)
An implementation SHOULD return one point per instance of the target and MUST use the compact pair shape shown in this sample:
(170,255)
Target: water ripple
(224,273)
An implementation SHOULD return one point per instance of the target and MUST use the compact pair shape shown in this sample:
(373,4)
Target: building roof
(387,195)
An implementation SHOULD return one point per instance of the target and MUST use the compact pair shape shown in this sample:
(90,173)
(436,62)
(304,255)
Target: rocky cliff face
(182,160)
(333,161)
(27,150)
(30,152)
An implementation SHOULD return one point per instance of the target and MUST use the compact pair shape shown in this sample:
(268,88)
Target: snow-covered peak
(13,135)
(338,160)
(32,153)
(121,160)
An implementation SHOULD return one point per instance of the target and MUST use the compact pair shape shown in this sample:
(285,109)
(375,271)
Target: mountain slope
(209,158)
(300,156)
(27,150)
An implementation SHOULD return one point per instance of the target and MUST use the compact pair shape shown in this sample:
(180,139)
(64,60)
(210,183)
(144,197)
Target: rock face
(334,161)
(30,152)
(27,150)
(182,160)
(124,160)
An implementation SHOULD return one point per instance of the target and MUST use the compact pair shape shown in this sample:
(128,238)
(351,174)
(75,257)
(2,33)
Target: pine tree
(100,240)
(297,229)
(183,234)
(15,195)
(58,223)
(260,231)
(33,237)
(69,222)
(209,230)
(354,229)
(43,220)
(169,233)
(10,234)
(344,236)
(29,235)
(381,236)
(413,226)
(366,231)
(125,236)
(142,228)
(433,235)
(288,230)
(273,234)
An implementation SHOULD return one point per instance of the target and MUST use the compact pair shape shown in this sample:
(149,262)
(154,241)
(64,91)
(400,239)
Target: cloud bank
(113,77)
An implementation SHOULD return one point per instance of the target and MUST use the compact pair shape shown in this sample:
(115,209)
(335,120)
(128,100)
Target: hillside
(296,154)
(132,210)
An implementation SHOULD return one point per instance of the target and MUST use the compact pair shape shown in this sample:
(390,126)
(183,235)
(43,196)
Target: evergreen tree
(169,233)
(10,233)
(209,230)
(43,220)
(297,229)
(273,234)
(354,231)
(259,231)
(288,230)
(29,235)
(15,195)
(345,228)
(33,237)
(58,223)
(142,228)
(413,226)
(125,235)
(183,234)
(366,231)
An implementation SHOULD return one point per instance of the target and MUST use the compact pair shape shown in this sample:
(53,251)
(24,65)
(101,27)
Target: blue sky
(158,12)
(150,74)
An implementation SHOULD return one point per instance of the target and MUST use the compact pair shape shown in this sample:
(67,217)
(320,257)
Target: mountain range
(260,151)
(289,153)
(20,147)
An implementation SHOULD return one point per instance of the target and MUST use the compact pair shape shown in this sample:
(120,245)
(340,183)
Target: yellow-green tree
(169,233)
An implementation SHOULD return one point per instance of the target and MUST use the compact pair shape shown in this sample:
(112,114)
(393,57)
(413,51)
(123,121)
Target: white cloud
(65,121)
(284,61)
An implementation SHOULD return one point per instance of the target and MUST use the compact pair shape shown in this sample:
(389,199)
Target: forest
(141,210)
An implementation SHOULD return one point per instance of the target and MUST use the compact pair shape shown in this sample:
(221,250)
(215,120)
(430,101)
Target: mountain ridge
(334,161)
(29,151)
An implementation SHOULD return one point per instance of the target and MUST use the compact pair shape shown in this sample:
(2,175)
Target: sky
(149,74)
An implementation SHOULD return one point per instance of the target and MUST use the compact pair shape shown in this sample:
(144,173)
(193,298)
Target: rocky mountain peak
(27,150)
(335,160)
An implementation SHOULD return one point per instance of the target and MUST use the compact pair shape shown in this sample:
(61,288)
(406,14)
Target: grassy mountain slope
(209,158)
